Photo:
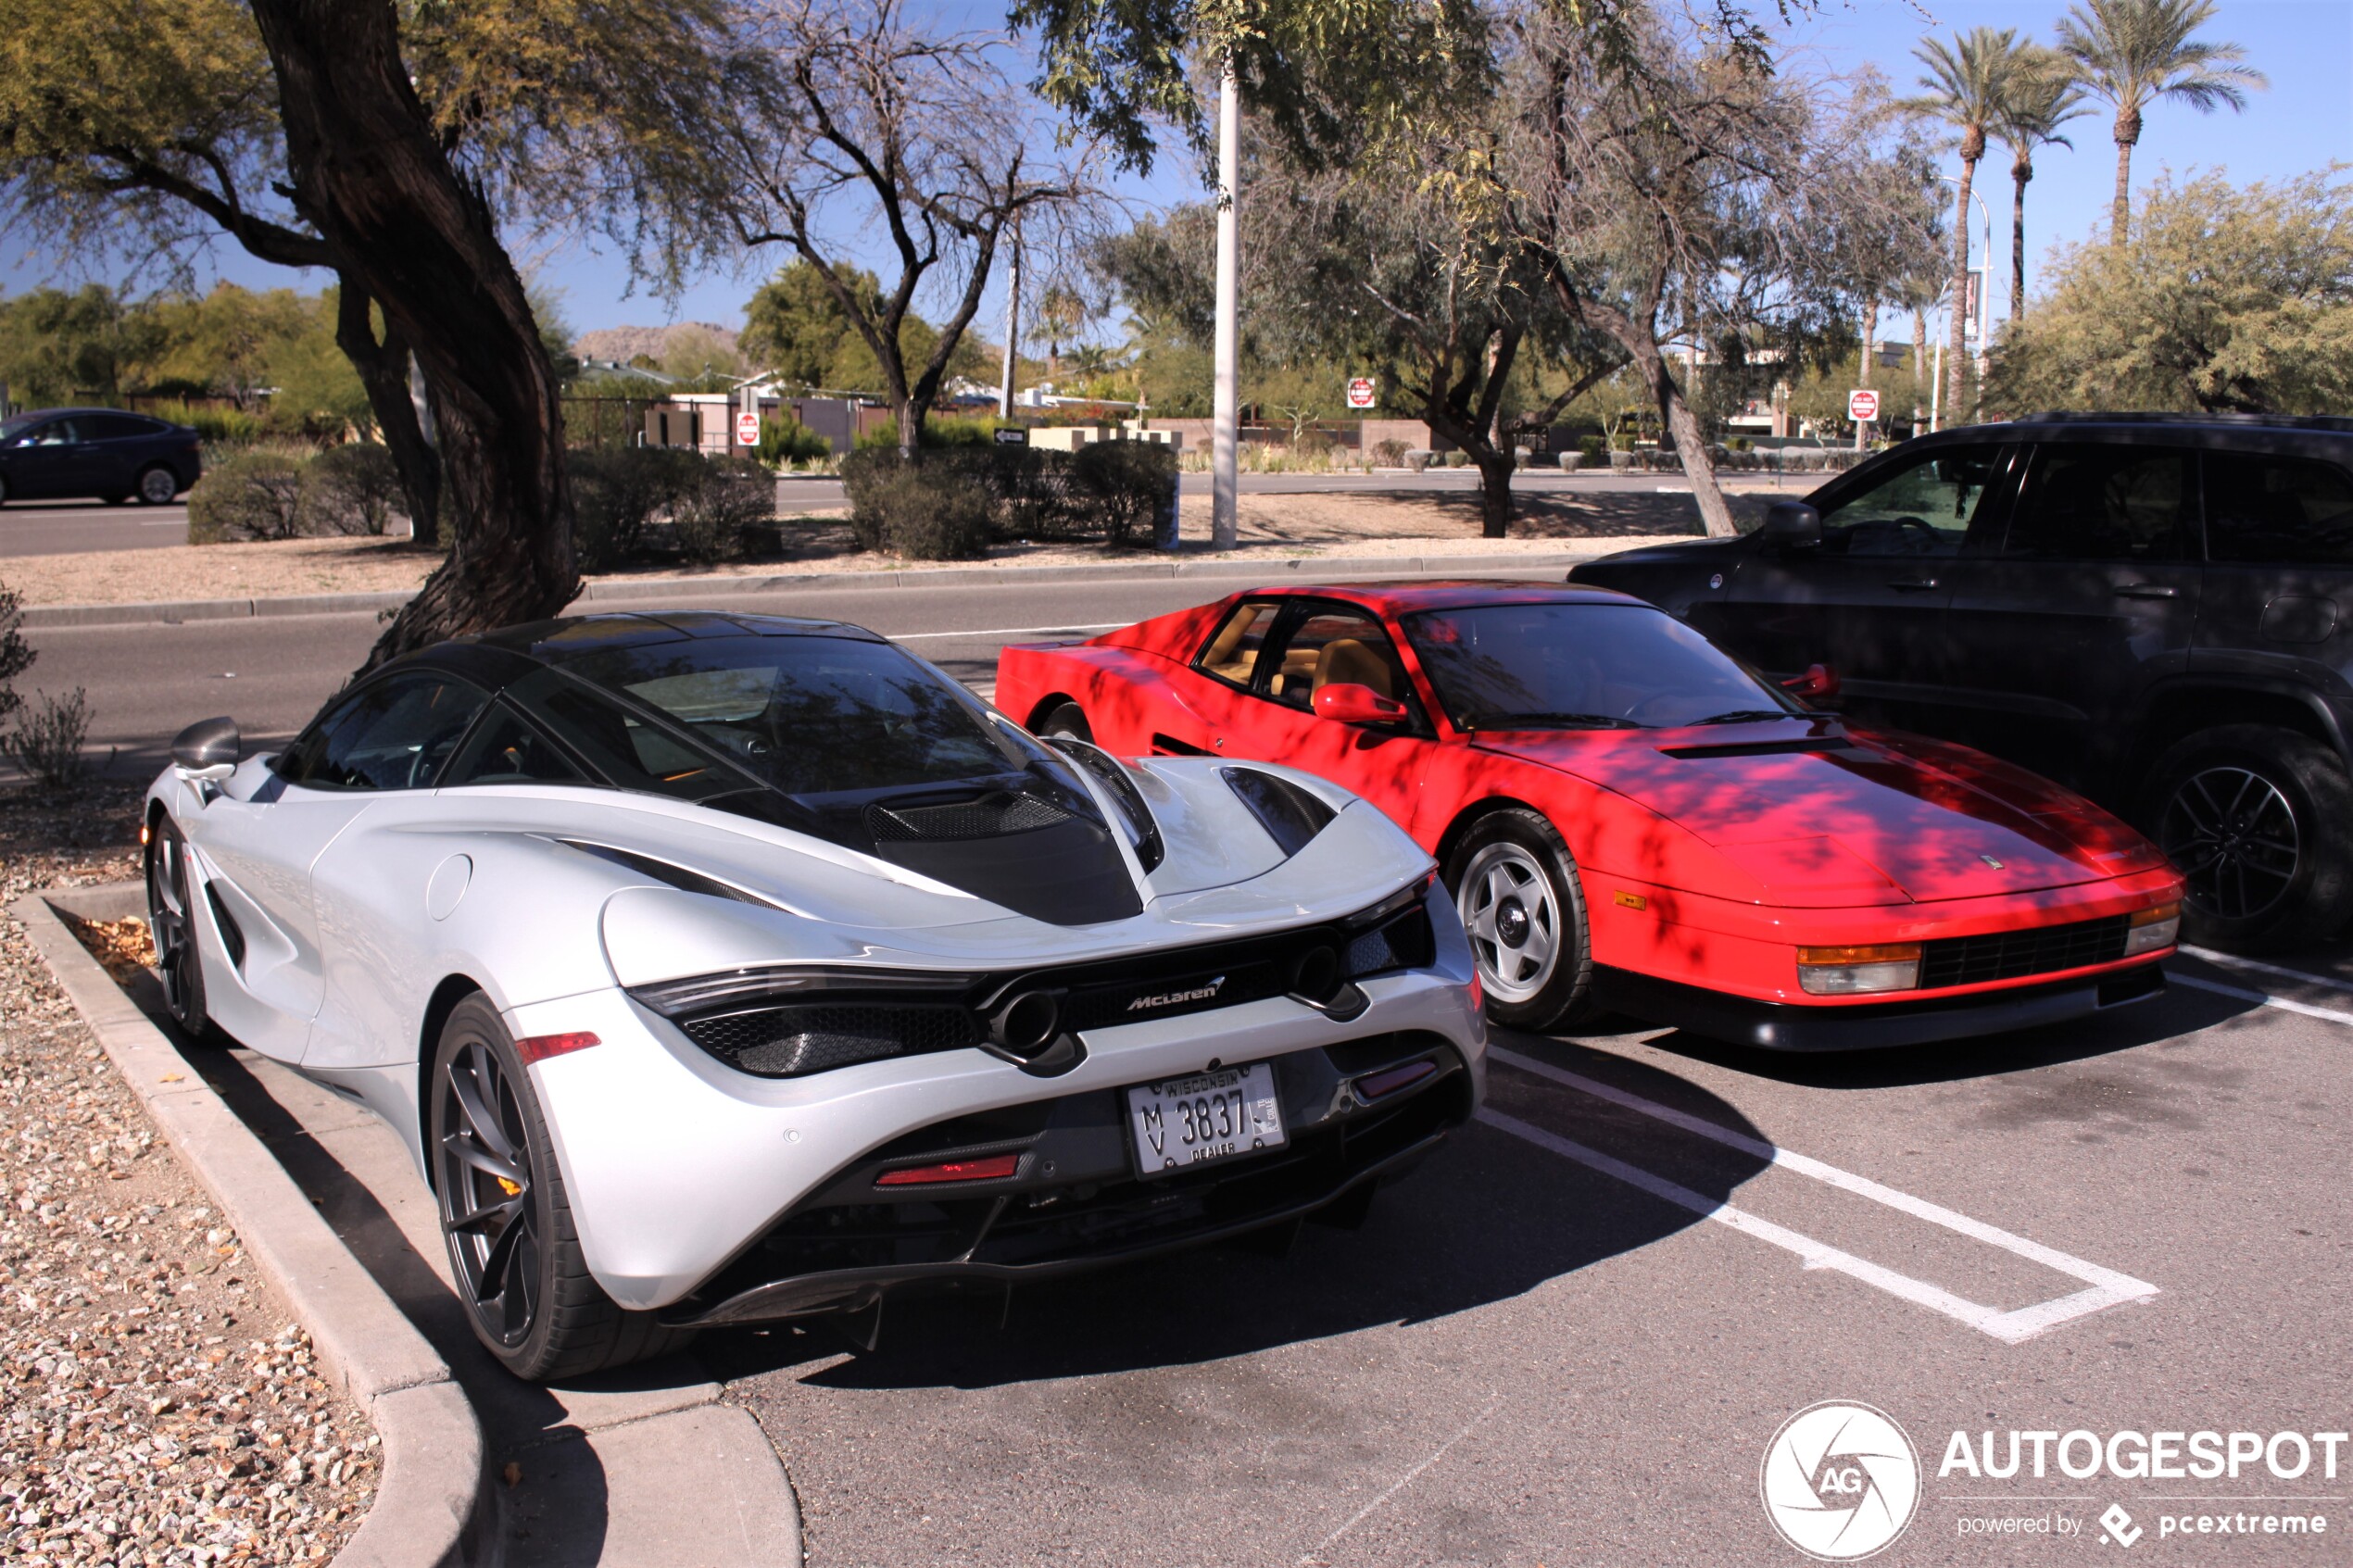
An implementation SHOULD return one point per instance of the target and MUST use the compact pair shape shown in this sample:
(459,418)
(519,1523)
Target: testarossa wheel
(1516,885)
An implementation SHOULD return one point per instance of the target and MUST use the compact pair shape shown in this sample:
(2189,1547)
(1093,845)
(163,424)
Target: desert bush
(616,491)
(15,654)
(353,488)
(785,440)
(227,428)
(1122,485)
(718,501)
(941,431)
(1594,447)
(1457,459)
(255,495)
(932,507)
(1389,454)
(46,742)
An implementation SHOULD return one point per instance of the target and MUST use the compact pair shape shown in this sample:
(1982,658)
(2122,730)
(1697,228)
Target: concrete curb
(431,1507)
(173,612)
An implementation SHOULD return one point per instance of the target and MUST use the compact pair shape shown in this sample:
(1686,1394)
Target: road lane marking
(2233,960)
(2265,997)
(1402,1482)
(1011,632)
(2105,1287)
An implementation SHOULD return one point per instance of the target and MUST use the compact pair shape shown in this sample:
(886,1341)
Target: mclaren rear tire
(513,1247)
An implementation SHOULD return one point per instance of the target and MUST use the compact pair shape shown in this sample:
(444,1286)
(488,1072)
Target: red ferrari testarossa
(1630,818)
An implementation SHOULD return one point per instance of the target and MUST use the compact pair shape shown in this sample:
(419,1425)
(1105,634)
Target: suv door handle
(2146,591)
(1916,585)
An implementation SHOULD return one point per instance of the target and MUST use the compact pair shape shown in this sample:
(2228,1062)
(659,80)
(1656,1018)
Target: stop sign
(748,429)
(1360,392)
(1862,406)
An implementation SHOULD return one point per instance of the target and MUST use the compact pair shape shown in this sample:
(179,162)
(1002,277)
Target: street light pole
(1013,327)
(1225,453)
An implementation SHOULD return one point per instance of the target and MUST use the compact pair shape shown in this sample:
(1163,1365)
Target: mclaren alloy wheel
(171,924)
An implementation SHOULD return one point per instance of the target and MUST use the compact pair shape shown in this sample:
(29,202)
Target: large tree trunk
(384,372)
(1870,336)
(1956,334)
(369,175)
(1639,341)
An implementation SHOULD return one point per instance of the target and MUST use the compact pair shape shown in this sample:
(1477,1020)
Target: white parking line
(1009,632)
(2233,960)
(2105,1287)
(2265,997)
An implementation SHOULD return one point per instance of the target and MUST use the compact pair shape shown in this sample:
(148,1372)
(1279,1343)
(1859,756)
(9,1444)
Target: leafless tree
(867,120)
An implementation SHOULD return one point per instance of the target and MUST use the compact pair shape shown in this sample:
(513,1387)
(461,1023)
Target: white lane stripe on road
(2232,960)
(2265,997)
(2107,1287)
(1009,632)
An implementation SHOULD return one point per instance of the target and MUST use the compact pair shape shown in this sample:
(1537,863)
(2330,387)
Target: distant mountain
(624,344)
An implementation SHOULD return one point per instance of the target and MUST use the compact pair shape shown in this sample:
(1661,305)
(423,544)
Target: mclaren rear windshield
(812,717)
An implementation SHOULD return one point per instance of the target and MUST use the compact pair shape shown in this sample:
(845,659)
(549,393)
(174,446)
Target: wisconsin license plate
(1209,1116)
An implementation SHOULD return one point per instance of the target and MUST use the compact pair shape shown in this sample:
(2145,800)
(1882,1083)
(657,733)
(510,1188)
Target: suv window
(116,427)
(2102,503)
(57,433)
(2277,511)
(1232,654)
(1924,509)
(393,733)
(1335,644)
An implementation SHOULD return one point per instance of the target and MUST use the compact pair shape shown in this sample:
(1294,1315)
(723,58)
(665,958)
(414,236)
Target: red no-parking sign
(1862,406)
(1361,391)
(748,429)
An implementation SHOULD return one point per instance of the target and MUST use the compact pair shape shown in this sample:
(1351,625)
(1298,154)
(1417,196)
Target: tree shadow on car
(1490,1216)
(2180,1012)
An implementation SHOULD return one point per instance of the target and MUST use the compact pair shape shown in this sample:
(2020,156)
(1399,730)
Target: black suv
(53,453)
(2155,610)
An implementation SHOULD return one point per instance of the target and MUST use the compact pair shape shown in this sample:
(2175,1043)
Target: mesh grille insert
(2008,955)
(785,1042)
(992,816)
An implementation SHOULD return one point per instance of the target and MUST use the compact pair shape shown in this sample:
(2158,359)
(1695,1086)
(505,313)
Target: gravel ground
(158,1405)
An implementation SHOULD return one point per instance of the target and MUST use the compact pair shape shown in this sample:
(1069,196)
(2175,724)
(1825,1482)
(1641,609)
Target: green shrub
(785,440)
(1595,447)
(932,507)
(15,654)
(1457,459)
(616,491)
(718,503)
(941,432)
(255,495)
(353,488)
(1389,454)
(1124,485)
(217,427)
(46,745)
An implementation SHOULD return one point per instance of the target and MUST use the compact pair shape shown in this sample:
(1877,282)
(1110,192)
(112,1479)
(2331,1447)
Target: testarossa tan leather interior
(1225,657)
(1350,662)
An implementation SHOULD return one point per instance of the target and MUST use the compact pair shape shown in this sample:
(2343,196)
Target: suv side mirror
(1350,704)
(1790,525)
(207,749)
(1818,683)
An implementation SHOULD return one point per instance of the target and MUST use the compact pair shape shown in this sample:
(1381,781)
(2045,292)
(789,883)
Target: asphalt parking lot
(1571,1335)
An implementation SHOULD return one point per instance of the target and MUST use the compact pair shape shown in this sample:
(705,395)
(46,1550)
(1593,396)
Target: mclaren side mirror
(1352,704)
(208,750)
(1790,525)
(1819,684)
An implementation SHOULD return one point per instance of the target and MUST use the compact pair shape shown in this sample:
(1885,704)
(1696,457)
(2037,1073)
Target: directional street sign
(1862,406)
(1361,391)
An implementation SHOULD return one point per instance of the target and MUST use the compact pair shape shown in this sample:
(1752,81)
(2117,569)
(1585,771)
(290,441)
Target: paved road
(1570,1336)
(56,528)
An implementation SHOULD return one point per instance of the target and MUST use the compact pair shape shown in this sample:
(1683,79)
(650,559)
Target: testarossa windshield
(1582,667)
(869,746)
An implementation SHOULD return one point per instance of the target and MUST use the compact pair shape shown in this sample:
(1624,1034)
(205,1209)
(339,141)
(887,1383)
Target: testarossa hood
(1819,816)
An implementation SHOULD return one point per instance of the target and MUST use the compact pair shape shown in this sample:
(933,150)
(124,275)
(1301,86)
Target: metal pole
(1012,330)
(1936,393)
(1225,454)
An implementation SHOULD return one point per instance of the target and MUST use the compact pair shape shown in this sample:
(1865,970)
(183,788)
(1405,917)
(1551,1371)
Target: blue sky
(2304,123)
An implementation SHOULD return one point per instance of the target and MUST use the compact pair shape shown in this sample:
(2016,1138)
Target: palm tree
(1967,81)
(2043,94)
(2134,52)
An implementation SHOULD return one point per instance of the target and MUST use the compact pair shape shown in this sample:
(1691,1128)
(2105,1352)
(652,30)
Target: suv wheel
(2256,819)
(158,485)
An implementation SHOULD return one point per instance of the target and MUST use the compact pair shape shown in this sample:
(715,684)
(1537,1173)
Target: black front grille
(785,1042)
(2011,955)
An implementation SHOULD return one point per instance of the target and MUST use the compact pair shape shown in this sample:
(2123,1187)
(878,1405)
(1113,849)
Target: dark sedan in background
(2157,610)
(60,453)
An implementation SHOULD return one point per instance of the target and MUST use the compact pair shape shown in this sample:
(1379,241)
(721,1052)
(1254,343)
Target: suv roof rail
(2276,421)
